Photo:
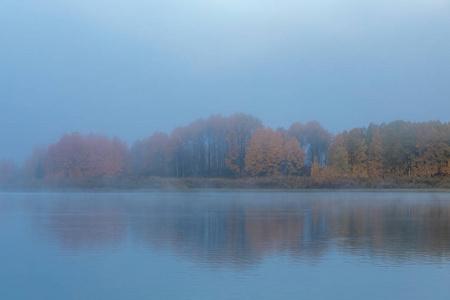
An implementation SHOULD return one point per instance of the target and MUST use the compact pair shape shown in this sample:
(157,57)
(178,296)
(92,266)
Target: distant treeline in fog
(240,147)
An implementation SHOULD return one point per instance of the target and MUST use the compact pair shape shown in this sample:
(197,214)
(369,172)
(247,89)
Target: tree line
(241,146)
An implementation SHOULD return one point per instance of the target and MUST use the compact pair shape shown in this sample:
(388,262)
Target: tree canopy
(240,146)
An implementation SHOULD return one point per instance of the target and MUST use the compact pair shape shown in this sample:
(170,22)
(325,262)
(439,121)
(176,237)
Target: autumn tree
(268,154)
(76,156)
(338,157)
(293,156)
(444,167)
(264,153)
(432,150)
(316,168)
(399,148)
(356,148)
(375,155)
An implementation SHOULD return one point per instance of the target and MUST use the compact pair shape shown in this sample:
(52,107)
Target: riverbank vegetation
(240,152)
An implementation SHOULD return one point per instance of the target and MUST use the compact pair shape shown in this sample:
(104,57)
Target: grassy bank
(276,182)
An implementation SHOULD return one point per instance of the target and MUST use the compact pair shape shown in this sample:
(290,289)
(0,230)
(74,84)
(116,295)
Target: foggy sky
(130,68)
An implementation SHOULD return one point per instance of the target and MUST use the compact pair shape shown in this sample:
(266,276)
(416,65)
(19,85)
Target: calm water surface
(225,245)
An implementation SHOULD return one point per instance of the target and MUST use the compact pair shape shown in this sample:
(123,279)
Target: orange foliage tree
(268,153)
(76,156)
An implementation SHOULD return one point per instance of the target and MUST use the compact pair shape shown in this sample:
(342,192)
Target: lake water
(225,245)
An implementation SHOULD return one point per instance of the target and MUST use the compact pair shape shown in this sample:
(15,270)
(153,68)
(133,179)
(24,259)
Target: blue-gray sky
(130,68)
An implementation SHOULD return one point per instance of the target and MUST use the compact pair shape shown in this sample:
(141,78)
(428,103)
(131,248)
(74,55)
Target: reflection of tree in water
(299,231)
(242,233)
(85,226)
(205,233)
(399,231)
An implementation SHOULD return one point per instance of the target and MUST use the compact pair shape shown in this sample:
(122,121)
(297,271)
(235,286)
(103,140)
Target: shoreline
(224,190)
(279,183)
(206,191)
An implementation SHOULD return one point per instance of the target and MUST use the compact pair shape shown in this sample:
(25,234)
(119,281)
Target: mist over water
(137,95)
(225,244)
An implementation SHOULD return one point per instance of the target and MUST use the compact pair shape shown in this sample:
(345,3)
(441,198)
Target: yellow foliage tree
(293,156)
(375,155)
(316,168)
(356,148)
(338,156)
(268,154)
(432,147)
